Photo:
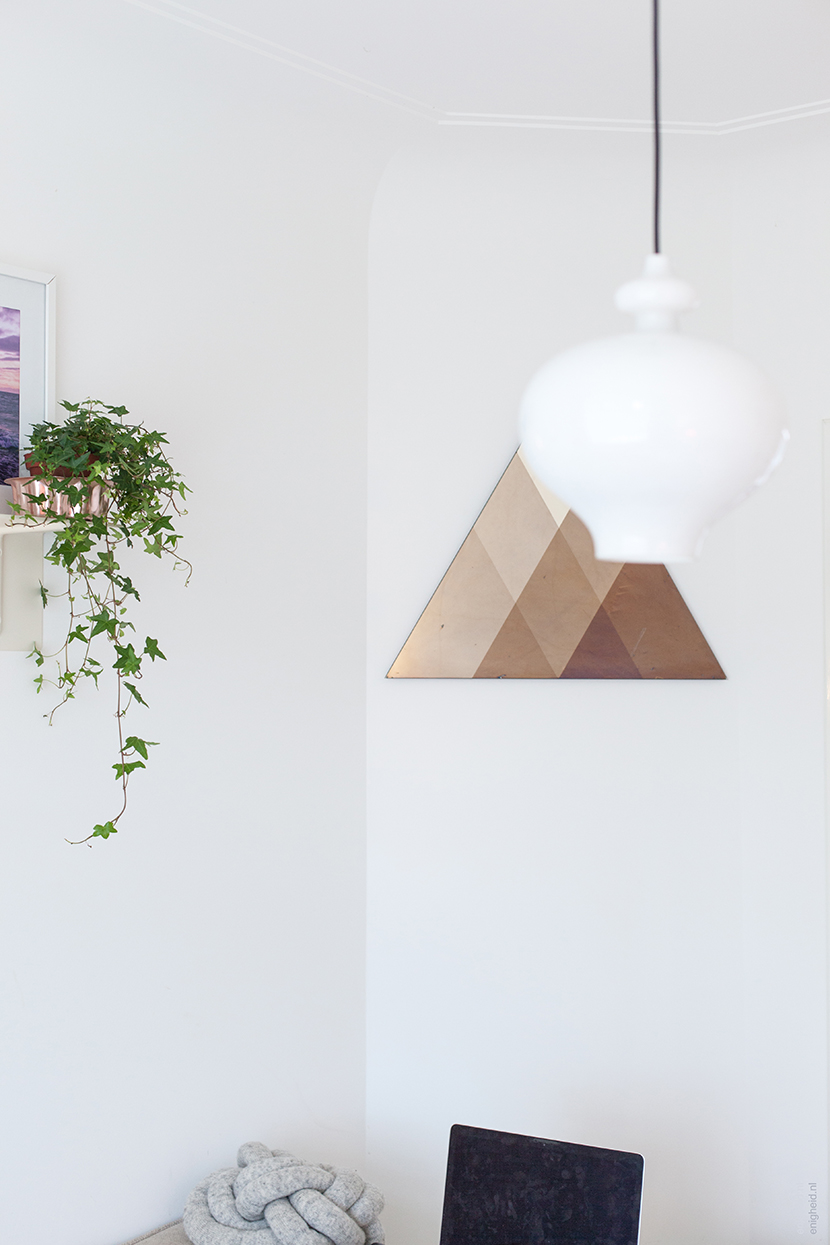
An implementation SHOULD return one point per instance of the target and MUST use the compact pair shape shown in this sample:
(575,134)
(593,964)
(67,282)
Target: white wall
(198,981)
(781,266)
(596,909)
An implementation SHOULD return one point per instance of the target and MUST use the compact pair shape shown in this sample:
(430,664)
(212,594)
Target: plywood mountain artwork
(525,598)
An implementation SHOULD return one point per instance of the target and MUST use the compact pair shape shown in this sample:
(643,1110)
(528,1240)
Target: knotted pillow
(273,1197)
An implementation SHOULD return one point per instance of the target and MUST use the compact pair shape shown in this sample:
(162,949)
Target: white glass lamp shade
(651,436)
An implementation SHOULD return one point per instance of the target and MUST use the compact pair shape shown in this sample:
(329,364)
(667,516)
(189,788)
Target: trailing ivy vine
(143,495)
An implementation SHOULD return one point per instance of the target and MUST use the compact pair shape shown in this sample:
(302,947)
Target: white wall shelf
(21,572)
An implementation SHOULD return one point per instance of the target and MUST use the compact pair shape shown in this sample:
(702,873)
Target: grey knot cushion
(273,1198)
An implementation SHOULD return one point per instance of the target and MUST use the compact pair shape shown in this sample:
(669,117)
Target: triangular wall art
(524,598)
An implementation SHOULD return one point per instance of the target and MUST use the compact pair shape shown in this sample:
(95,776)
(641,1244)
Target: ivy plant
(143,497)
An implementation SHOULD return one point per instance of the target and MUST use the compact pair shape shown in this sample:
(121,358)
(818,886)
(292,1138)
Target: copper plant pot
(97,501)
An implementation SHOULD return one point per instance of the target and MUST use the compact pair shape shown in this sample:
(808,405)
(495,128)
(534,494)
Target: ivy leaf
(125,584)
(128,661)
(124,768)
(103,621)
(44,595)
(152,650)
(105,830)
(139,745)
(135,693)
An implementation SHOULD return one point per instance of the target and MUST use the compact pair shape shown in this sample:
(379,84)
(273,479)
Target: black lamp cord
(655,50)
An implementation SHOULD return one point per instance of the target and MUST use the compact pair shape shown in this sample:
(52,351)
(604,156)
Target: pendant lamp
(652,435)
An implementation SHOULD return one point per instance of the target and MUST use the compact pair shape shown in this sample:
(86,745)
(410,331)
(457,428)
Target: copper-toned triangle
(515,653)
(654,623)
(558,602)
(601,654)
(524,598)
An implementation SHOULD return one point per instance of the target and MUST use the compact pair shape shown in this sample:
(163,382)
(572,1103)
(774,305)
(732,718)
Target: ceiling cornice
(187,16)
(611,125)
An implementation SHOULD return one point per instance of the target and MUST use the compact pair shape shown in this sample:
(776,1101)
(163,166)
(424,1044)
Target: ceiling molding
(186,16)
(611,125)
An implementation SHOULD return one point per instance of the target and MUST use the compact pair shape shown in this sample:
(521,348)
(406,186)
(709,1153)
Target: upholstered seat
(170,1234)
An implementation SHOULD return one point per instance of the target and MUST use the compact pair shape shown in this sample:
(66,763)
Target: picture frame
(27,315)
(27,396)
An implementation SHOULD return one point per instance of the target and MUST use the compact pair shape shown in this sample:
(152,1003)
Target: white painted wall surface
(781,266)
(198,981)
(596,909)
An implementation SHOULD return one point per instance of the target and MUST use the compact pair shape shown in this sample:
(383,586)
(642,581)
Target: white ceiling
(723,59)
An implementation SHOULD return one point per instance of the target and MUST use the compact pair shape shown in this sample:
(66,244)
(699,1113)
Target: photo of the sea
(9,392)
(9,434)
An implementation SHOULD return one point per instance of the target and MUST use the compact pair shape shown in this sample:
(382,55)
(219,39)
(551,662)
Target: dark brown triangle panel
(515,653)
(601,654)
(656,627)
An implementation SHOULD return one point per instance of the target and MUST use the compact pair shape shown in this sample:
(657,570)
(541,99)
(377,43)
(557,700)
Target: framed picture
(27,361)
